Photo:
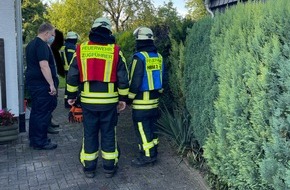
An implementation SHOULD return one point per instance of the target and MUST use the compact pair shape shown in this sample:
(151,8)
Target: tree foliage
(33,16)
(74,15)
(123,11)
(196,9)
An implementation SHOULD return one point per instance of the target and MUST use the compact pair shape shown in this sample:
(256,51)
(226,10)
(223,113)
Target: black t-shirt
(37,50)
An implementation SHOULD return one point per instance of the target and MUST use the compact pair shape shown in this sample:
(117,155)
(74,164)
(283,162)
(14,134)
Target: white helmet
(102,22)
(72,35)
(143,33)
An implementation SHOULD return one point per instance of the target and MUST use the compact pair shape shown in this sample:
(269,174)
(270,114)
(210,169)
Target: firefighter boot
(143,161)
(110,173)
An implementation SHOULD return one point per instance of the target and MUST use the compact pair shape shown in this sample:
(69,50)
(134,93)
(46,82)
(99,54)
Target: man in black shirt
(42,82)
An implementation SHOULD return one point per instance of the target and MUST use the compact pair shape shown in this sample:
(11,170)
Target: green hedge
(199,79)
(249,148)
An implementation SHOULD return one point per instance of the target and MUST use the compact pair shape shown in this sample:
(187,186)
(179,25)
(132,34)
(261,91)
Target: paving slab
(22,168)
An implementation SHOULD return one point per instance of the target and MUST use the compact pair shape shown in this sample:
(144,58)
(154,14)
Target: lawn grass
(61,82)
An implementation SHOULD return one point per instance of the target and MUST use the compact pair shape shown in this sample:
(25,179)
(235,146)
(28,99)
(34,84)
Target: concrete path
(21,167)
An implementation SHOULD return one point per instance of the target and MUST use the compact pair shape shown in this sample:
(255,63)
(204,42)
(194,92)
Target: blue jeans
(42,106)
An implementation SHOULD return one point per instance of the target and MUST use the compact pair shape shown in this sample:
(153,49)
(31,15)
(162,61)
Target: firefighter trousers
(104,122)
(146,130)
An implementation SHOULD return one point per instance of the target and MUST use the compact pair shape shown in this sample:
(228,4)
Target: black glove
(129,101)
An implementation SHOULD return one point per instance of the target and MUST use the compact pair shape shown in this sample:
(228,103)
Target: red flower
(7,118)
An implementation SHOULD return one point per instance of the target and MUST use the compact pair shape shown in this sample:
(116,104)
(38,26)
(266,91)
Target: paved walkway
(21,167)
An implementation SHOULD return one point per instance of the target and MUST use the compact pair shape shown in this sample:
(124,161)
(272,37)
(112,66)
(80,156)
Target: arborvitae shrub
(199,79)
(249,147)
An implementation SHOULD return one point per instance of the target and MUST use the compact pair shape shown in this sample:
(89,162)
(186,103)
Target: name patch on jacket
(154,64)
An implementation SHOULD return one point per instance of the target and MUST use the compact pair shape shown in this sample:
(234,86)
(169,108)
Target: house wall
(8,33)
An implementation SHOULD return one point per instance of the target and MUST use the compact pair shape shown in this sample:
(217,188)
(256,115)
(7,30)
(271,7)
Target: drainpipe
(20,65)
(206,3)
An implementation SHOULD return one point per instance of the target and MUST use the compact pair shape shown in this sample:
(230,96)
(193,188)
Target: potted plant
(8,126)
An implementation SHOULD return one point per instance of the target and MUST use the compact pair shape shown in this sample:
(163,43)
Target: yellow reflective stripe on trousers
(109,155)
(156,141)
(112,155)
(145,144)
(71,88)
(87,157)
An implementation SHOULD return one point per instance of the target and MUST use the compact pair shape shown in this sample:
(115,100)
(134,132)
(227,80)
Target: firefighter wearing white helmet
(72,35)
(99,71)
(146,71)
(143,33)
(66,53)
(102,22)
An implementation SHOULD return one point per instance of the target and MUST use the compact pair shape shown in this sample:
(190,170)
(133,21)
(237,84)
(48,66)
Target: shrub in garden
(249,147)
(199,79)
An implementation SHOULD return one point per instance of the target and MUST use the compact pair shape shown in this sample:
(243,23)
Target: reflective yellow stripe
(149,72)
(112,155)
(143,137)
(71,88)
(161,90)
(109,155)
(63,55)
(132,70)
(144,107)
(131,95)
(87,157)
(70,50)
(153,101)
(111,87)
(99,101)
(84,64)
(123,92)
(99,94)
(123,59)
(156,141)
(147,146)
(146,95)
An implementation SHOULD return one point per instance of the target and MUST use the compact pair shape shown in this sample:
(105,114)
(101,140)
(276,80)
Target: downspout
(20,65)
(206,3)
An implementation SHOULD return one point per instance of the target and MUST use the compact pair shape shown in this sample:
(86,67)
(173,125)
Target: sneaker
(142,162)
(90,174)
(53,124)
(49,146)
(51,130)
(110,173)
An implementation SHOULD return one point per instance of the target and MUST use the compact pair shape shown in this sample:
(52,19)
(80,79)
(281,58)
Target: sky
(179,4)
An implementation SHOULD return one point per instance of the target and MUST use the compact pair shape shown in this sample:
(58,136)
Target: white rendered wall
(8,33)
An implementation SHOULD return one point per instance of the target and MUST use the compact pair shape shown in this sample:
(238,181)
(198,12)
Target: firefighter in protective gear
(100,71)
(146,73)
(66,53)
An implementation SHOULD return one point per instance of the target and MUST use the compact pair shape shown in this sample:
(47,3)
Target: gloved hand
(75,114)
(129,101)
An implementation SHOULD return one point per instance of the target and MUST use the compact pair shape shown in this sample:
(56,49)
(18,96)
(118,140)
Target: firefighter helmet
(102,22)
(72,35)
(143,33)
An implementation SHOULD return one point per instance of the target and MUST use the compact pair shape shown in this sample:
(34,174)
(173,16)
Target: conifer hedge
(199,79)
(249,147)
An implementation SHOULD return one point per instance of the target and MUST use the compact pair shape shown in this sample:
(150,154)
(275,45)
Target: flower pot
(8,133)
